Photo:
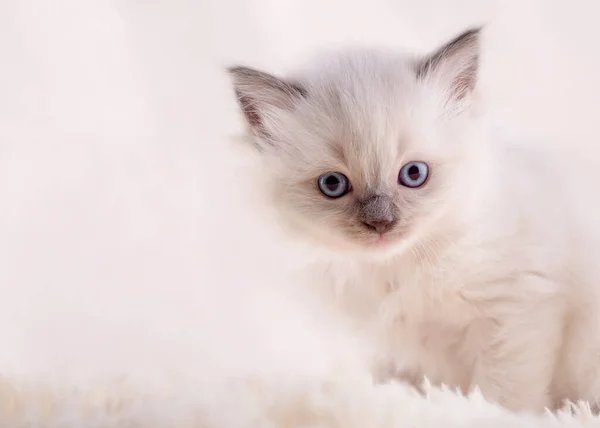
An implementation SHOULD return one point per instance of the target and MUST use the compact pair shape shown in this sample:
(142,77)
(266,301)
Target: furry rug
(111,114)
(348,402)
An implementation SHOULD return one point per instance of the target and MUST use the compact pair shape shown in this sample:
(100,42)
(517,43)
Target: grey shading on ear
(259,92)
(456,63)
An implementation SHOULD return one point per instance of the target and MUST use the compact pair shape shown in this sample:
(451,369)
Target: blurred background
(129,241)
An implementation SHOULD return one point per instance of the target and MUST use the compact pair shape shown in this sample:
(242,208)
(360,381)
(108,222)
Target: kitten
(467,257)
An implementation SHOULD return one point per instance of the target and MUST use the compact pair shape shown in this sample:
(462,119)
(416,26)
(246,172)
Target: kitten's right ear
(259,94)
(455,64)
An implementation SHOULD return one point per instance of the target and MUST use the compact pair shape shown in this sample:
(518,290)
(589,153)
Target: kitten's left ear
(455,65)
(259,94)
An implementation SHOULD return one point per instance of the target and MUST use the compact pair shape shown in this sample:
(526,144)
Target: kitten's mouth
(382,240)
(380,243)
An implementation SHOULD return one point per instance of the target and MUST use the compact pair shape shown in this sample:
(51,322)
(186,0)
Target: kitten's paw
(384,373)
(519,398)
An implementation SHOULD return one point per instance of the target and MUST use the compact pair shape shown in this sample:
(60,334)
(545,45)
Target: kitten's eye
(334,184)
(413,174)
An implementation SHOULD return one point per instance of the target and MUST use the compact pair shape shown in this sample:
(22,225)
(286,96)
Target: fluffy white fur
(488,277)
(120,254)
(349,401)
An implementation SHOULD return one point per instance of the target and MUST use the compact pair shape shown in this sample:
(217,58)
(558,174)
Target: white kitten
(467,257)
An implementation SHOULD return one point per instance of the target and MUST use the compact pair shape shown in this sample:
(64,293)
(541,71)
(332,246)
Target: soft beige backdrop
(126,242)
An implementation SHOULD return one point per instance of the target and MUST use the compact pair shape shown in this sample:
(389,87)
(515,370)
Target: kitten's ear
(455,65)
(259,94)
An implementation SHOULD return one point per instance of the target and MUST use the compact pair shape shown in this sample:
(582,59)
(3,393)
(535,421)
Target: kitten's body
(486,275)
(523,264)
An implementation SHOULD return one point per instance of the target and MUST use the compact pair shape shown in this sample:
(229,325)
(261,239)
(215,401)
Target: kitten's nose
(380,226)
(377,213)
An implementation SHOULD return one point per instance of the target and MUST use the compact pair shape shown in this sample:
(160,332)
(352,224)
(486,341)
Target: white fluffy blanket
(347,402)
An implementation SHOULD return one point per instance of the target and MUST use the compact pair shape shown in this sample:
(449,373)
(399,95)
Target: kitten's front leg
(520,343)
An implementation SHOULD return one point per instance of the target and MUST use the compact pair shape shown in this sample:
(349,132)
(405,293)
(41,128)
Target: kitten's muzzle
(377,213)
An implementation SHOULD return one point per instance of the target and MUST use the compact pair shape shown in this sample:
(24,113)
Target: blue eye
(334,184)
(413,174)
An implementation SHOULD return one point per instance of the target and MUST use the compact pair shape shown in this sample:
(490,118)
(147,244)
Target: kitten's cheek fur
(301,227)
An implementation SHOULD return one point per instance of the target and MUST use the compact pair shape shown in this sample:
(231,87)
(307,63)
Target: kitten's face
(366,149)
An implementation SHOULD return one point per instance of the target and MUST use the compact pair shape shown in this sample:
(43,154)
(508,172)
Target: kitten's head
(365,149)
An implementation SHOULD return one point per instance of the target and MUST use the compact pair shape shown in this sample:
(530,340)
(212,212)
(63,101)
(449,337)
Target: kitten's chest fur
(415,315)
